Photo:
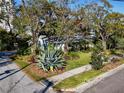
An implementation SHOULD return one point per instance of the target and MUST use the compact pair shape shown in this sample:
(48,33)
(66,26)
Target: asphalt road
(113,84)
(14,80)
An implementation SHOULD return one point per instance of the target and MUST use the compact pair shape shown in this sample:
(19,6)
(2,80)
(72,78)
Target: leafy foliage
(97,59)
(24,51)
(50,59)
(23,46)
(7,40)
(120,43)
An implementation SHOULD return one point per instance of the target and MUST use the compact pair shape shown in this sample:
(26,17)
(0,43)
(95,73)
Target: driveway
(113,84)
(13,80)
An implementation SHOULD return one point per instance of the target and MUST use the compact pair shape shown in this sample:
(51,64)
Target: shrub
(7,40)
(24,51)
(120,43)
(23,47)
(97,59)
(50,59)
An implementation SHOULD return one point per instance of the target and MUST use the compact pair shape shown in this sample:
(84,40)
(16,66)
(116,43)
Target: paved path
(58,78)
(13,80)
(113,84)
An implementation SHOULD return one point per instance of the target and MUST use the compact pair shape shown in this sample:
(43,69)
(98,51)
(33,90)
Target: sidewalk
(58,78)
(16,81)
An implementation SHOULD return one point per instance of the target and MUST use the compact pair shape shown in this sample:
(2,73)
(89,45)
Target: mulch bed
(33,68)
(111,66)
(39,72)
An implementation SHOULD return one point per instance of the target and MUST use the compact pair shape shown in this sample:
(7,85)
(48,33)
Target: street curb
(84,86)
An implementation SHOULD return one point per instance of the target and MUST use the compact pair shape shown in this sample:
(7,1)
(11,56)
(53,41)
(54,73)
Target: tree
(100,23)
(116,20)
(106,3)
(7,40)
(28,18)
(41,16)
(6,16)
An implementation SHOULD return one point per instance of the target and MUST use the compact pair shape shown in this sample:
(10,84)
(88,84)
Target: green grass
(21,63)
(77,79)
(34,76)
(84,58)
(122,61)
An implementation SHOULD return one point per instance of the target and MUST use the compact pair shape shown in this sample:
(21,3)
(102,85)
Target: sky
(118,5)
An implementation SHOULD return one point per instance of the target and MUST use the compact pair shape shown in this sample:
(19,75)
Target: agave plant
(50,59)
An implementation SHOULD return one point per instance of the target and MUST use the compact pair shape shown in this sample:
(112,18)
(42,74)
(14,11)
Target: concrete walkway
(58,78)
(13,80)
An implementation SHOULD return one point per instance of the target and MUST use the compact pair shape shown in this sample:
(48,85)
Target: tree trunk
(104,45)
(34,42)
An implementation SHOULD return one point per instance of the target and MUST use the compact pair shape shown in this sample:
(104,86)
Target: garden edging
(84,86)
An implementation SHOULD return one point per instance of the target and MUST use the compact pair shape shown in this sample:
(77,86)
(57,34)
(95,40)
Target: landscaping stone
(58,78)
(115,57)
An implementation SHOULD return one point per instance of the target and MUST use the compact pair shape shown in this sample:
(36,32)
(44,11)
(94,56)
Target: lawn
(78,59)
(77,79)
(84,58)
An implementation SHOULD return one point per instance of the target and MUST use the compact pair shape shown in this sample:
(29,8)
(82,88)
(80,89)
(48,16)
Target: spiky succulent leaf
(50,59)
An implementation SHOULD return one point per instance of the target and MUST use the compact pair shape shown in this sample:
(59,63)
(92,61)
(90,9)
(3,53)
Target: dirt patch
(38,71)
(111,65)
